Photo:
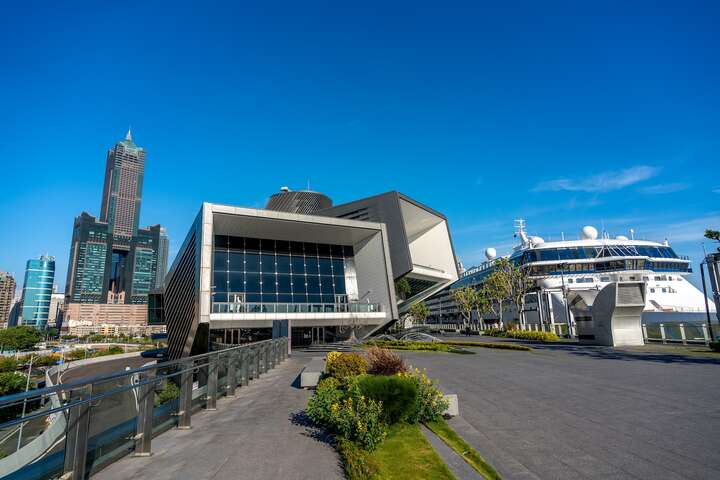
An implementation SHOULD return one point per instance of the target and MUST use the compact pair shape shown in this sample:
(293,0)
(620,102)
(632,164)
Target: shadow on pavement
(312,430)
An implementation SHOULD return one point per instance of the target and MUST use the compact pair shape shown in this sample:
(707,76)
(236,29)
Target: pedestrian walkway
(258,434)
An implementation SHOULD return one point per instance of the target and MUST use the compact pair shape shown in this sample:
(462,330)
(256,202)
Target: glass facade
(37,291)
(252,270)
(581,253)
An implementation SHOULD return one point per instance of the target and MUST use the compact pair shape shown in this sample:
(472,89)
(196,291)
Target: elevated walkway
(259,433)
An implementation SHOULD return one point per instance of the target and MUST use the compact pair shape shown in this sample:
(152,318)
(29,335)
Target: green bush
(359,419)
(358,463)
(430,402)
(345,365)
(715,346)
(8,364)
(327,394)
(114,350)
(397,394)
(524,335)
(169,392)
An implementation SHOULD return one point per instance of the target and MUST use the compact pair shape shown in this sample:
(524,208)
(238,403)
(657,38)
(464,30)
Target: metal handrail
(9,399)
(241,363)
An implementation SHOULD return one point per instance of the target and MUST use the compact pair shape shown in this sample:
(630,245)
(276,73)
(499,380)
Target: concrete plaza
(571,412)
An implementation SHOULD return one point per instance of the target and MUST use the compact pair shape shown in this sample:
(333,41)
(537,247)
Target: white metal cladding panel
(372,272)
(629,294)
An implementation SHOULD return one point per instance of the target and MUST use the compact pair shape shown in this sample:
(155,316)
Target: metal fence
(682,333)
(106,417)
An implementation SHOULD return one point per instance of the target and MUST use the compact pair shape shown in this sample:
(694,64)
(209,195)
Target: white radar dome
(490,253)
(537,240)
(621,237)
(589,232)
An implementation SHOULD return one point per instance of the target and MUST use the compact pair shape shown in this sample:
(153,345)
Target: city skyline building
(112,260)
(122,191)
(7,295)
(37,291)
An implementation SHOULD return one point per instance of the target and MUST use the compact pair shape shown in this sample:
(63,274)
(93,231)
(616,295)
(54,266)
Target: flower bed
(375,416)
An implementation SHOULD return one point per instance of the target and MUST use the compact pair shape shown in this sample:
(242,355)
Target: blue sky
(563,113)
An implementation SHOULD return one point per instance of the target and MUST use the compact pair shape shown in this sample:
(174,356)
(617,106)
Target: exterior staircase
(329,347)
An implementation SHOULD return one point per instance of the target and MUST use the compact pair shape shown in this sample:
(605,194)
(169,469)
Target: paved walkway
(565,412)
(258,434)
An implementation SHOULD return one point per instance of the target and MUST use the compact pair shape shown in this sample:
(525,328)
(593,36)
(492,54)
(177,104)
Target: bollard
(76,436)
(212,384)
(232,373)
(146,404)
(682,334)
(645,334)
(662,333)
(185,404)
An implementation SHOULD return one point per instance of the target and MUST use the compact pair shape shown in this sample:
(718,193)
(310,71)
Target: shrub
(398,395)
(430,402)
(345,365)
(715,346)
(169,392)
(326,395)
(382,361)
(358,463)
(359,419)
(114,350)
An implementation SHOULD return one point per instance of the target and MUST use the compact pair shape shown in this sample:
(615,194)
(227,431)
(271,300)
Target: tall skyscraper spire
(128,135)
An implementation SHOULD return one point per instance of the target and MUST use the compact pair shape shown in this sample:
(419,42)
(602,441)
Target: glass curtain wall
(252,270)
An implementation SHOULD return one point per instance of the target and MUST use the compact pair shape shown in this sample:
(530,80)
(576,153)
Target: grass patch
(461,447)
(407,454)
(499,346)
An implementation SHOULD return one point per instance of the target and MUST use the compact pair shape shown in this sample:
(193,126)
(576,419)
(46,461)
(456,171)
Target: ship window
(604,279)
(570,280)
(664,290)
(652,290)
(646,279)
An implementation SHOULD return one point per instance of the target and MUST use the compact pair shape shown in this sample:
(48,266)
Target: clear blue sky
(563,113)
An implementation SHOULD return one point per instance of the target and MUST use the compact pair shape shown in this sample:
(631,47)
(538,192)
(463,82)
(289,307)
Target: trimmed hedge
(397,394)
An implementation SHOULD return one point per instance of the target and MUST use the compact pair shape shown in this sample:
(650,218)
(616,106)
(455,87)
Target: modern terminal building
(246,274)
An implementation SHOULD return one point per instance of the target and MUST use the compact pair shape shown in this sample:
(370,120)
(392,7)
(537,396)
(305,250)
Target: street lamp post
(567,305)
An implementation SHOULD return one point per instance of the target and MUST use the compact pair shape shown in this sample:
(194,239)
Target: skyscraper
(112,261)
(37,291)
(122,192)
(162,265)
(7,293)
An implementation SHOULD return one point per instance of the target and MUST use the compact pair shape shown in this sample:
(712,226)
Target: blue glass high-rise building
(37,291)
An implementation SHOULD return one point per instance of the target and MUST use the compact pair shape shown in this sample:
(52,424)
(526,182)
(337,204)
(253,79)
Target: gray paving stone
(570,412)
(256,435)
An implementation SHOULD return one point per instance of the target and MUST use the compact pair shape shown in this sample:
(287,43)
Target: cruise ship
(569,274)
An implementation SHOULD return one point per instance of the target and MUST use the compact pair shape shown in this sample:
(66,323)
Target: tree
(420,311)
(466,299)
(712,235)
(402,288)
(12,382)
(496,288)
(19,338)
